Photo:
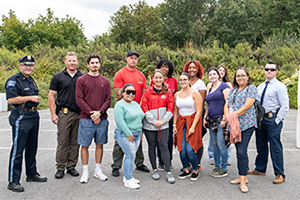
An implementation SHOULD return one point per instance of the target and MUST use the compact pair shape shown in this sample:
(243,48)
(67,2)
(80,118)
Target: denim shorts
(88,130)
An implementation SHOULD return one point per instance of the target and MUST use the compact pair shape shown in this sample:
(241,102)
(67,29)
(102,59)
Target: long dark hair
(167,63)
(164,87)
(235,84)
(226,77)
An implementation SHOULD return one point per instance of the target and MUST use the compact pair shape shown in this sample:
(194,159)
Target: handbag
(260,112)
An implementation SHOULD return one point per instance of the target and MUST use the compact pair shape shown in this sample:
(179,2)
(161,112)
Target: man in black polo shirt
(65,113)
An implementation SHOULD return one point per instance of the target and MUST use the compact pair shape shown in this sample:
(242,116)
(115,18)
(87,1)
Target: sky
(93,14)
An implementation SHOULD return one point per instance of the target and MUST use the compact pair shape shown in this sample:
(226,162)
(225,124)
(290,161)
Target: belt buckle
(270,115)
(66,110)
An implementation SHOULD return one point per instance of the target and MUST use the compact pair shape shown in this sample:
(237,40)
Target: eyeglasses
(71,53)
(185,79)
(270,69)
(133,92)
(241,76)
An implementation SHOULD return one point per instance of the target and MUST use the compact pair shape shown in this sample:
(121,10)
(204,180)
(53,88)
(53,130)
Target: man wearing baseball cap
(129,74)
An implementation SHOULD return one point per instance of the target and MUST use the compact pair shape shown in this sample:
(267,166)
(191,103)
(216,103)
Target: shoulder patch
(11,83)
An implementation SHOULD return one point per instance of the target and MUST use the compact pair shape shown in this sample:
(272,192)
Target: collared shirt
(64,84)
(19,85)
(276,96)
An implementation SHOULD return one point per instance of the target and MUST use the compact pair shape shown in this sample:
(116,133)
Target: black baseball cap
(27,60)
(133,52)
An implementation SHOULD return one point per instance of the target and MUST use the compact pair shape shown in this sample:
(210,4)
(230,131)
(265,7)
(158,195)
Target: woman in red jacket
(157,103)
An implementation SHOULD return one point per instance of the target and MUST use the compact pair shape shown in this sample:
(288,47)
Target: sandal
(237,181)
(244,188)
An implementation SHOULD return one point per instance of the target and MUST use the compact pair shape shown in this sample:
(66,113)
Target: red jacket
(157,107)
(195,140)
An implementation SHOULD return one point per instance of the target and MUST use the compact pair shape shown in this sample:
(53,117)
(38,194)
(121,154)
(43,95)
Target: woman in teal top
(128,117)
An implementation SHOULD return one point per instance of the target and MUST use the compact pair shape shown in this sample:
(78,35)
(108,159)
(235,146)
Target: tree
(281,16)
(138,23)
(47,30)
(237,21)
(185,20)
(14,33)
(56,32)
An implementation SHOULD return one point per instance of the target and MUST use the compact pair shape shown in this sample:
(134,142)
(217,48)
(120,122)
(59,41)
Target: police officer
(273,96)
(22,93)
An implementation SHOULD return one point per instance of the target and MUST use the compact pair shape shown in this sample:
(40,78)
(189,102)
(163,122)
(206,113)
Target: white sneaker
(136,180)
(131,184)
(84,178)
(99,174)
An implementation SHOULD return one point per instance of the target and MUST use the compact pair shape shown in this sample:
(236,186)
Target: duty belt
(30,109)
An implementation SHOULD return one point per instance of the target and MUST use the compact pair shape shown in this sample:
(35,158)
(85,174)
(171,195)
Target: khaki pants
(67,145)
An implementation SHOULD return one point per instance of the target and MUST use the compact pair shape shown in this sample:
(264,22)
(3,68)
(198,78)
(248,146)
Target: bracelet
(174,125)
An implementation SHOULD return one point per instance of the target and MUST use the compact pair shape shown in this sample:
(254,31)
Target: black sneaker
(195,176)
(59,174)
(142,168)
(115,172)
(161,166)
(73,172)
(183,175)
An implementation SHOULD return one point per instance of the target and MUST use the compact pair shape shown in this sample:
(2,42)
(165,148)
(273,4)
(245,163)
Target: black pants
(170,143)
(25,129)
(156,138)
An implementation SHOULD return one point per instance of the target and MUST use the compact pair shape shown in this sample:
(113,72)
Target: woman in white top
(187,126)
(195,71)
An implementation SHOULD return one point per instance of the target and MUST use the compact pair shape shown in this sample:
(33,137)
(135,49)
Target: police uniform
(24,120)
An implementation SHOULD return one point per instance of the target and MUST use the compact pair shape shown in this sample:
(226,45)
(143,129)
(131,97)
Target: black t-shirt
(65,85)
(19,85)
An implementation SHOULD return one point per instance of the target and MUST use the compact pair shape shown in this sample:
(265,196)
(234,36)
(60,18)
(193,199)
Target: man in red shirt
(129,74)
(93,97)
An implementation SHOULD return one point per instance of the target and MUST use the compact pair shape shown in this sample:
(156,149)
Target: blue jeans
(210,151)
(187,153)
(269,132)
(129,150)
(241,151)
(220,150)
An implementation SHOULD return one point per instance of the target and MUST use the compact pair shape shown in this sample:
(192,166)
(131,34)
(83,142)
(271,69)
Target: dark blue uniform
(25,126)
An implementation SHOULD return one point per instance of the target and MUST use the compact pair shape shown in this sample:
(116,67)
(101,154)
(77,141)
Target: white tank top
(186,106)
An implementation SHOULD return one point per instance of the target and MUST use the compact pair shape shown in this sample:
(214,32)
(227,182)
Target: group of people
(79,102)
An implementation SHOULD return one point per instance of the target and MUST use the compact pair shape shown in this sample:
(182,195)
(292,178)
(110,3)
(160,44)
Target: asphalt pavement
(206,187)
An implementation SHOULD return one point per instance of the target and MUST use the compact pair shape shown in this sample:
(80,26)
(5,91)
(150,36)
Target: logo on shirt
(163,96)
(11,84)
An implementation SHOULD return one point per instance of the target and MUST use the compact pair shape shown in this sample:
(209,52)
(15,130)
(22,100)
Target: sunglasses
(270,69)
(133,92)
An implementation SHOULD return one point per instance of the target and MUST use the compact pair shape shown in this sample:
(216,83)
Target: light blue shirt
(128,117)
(276,96)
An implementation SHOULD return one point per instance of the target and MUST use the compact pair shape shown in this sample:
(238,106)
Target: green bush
(50,60)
